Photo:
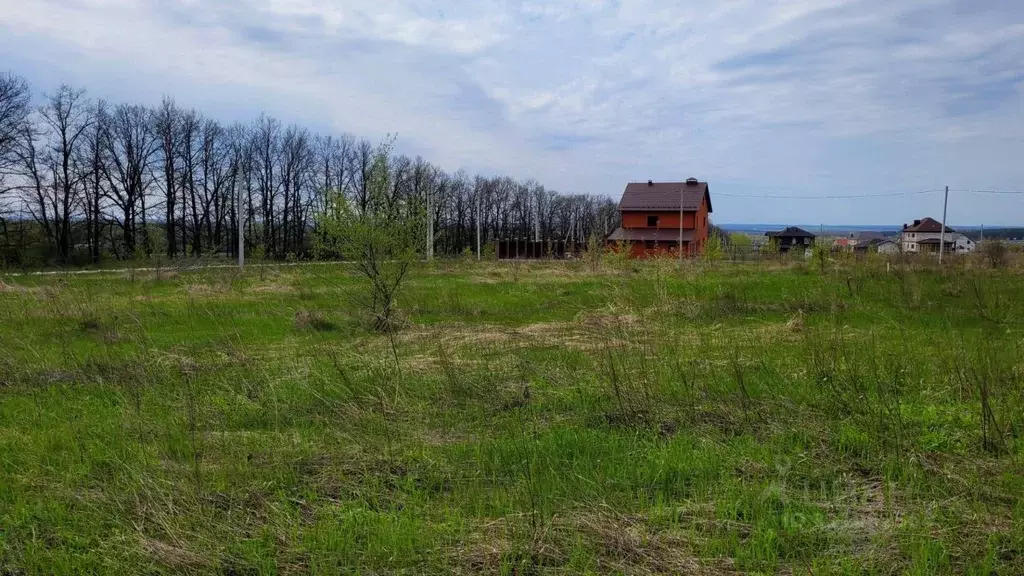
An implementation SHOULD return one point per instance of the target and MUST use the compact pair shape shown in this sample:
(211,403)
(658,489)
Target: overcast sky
(816,98)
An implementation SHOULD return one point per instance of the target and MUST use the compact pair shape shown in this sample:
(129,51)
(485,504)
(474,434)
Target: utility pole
(478,225)
(681,226)
(241,230)
(536,220)
(430,231)
(942,234)
(982,239)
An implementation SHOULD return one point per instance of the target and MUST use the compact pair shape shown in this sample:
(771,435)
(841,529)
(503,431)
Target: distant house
(791,237)
(844,243)
(880,245)
(658,216)
(924,236)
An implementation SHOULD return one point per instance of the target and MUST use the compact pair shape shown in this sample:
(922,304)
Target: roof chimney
(917,222)
(691,181)
(650,182)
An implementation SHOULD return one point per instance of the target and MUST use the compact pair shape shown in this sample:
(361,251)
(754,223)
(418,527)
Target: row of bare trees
(82,180)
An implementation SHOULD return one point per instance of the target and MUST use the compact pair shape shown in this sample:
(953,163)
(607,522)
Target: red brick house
(653,211)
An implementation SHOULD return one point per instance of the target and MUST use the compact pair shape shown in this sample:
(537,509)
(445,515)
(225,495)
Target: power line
(829,197)
(863,196)
(991,191)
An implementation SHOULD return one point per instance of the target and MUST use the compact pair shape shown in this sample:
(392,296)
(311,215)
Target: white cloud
(587,94)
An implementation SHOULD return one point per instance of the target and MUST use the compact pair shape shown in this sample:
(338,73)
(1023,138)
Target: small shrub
(595,252)
(713,248)
(995,253)
(769,249)
(953,289)
(616,257)
(381,239)
(90,324)
(515,267)
(489,251)
(821,256)
(313,320)
(797,322)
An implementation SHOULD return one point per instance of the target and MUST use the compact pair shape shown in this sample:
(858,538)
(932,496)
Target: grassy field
(528,418)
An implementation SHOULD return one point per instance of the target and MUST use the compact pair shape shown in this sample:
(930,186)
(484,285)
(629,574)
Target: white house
(887,246)
(881,245)
(923,236)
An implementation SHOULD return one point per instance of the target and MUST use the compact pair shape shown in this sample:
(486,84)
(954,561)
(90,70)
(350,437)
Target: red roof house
(659,216)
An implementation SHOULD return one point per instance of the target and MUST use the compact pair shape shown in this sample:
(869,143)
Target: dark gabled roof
(644,234)
(665,196)
(926,224)
(790,232)
(877,241)
(866,236)
(872,242)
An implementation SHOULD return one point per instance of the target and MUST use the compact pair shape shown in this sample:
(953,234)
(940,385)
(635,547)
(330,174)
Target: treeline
(83,180)
(1013,234)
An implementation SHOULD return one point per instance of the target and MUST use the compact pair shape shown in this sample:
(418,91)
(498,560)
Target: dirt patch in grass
(48,291)
(628,544)
(477,335)
(515,271)
(866,515)
(201,289)
(420,363)
(58,376)
(585,334)
(796,323)
(438,437)
(273,289)
(768,332)
(174,557)
(609,319)
(619,543)
(11,288)
(150,275)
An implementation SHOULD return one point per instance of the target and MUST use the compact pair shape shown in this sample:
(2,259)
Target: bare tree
(189,156)
(216,166)
(50,155)
(93,163)
(83,164)
(14,109)
(362,165)
(244,179)
(294,172)
(167,126)
(67,117)
(267,150)
(131,146)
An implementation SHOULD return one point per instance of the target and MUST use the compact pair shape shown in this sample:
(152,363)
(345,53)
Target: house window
(650,244)
(652,221)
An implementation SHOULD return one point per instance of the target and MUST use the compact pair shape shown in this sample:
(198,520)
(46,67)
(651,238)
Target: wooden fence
(529,249)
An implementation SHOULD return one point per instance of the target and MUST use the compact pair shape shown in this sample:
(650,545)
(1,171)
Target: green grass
(540,418)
